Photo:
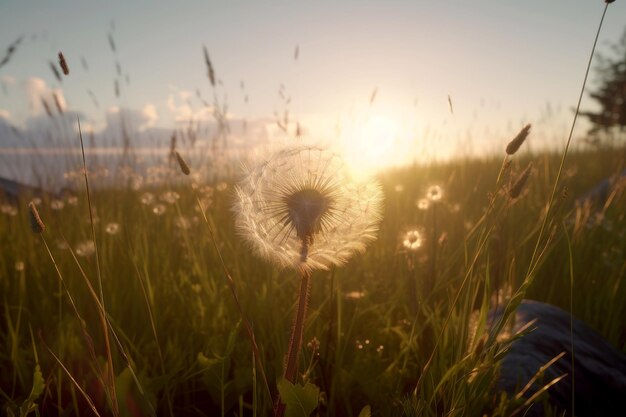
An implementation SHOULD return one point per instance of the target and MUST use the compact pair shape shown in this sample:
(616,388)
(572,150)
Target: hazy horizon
(386,84)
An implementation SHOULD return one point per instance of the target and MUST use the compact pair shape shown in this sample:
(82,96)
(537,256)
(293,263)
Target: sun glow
(371,145)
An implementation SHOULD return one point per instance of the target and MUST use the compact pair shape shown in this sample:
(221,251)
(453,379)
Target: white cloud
(129,120)
(8,80)
(179,103)
(37,90)
(150,112)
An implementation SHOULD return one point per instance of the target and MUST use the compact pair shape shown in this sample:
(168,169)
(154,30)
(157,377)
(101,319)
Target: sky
(385,82)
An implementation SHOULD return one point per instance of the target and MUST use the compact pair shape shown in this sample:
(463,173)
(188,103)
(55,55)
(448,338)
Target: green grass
(197,359)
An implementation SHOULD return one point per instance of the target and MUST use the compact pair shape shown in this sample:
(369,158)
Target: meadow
(175,337)
(136,291)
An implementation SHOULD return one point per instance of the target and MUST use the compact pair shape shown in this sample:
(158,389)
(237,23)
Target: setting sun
(371,145)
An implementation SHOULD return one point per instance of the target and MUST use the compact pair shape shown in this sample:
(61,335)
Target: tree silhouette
(611,92)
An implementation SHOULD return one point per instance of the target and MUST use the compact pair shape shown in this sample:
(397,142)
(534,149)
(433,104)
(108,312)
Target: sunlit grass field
(182,348)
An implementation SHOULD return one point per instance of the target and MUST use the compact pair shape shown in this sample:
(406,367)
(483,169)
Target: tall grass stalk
(84,330)
(541,247)
(231,286)
(571,316)
(534,258)
(105,330)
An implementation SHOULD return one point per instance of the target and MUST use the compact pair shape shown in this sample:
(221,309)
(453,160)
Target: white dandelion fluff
(301,208)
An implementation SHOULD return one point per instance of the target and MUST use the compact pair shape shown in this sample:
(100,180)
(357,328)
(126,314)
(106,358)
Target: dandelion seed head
(354,295)
(8,209)
(112,228)
(170,197)
(57,205)
(61,244)
(434,193)
(159,209)
(207,191)
(423,203)
(136,182)
(412,240)
(20,266)
(147,198)
(183,223)
(305,197)
(85,248)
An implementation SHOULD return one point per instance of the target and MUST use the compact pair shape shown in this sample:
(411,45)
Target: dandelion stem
(433,263)
(295,341)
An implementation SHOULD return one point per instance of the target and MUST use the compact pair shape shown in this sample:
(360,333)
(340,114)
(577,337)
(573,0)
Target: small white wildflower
(9,210)
(112,228)
(412,240)
(170,197)
(354,295)
(147,198)
(57,205)
(434,193)
(423,203)
(85,248)
(20,266)
(159,209)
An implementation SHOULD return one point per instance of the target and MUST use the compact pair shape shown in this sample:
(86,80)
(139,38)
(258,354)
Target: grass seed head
(36,224)
(183,165)
(518,140)
(63,64)
(209,66)
(518,185)
(58,103)
(55,71)
(46,107)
